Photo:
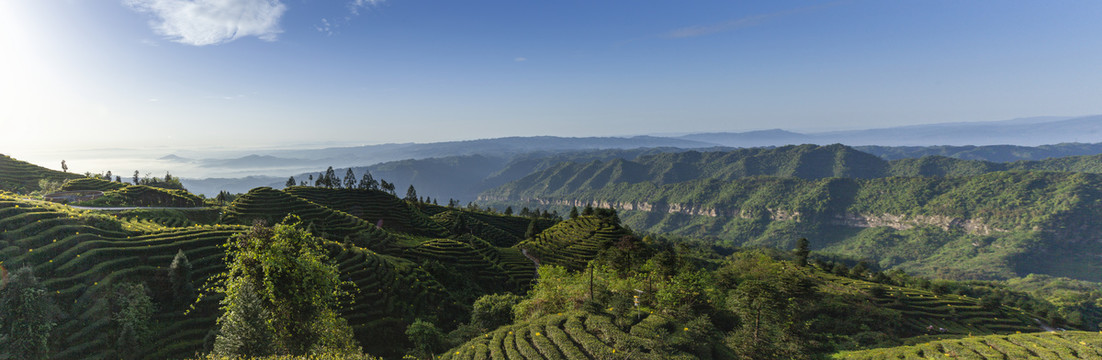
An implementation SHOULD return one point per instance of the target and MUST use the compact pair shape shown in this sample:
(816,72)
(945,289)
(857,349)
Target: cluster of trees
(281,296)
(330,180)
(524,211)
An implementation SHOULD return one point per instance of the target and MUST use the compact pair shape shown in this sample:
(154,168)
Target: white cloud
(325,27)
(520,59)
(209,22)
(355,5)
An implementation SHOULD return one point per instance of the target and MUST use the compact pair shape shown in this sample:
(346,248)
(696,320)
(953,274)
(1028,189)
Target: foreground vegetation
(311,272)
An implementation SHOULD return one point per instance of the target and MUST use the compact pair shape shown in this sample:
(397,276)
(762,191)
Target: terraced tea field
(515,226)
(572,243)
(464,223)
(579,335)
(87,183)
(271,206)
(79,256)
(961,315)
(372,206)
(22,176)
(1047,345)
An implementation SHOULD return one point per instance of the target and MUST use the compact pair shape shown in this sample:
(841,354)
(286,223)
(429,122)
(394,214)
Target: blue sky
(177,74)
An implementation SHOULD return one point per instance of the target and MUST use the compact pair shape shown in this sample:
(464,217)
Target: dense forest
(344,269)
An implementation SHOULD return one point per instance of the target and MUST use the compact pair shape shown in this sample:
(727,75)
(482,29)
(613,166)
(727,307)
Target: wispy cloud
(324,27)
(209,22)
(740,23)
(520,59)
(355,5)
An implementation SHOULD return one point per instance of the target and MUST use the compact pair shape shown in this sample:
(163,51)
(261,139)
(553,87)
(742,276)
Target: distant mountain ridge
(803,161)
(965,140)
(994,153)
(1025,132)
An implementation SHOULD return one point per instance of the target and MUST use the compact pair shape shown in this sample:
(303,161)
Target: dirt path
(534,261)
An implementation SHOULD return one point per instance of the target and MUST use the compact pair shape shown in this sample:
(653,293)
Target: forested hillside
(993,153)
(802,161)
(968,222)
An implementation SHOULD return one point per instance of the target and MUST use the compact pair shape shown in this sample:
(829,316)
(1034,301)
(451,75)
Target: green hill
(985,226)
(649,297)
(80,255)
(271,206)
(1050,345)
(22,177)
(994,153)
(803,161)
(91,183)
(373,206)
(573,243)
(582,335)
(142,195)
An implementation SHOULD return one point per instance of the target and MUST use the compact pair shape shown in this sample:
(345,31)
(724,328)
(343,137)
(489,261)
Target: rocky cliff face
(904,222)
(898,222)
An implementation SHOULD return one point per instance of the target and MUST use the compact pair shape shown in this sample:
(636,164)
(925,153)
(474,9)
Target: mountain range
(399,162)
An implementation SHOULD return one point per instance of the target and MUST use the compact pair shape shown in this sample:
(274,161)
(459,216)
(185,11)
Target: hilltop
(21,176)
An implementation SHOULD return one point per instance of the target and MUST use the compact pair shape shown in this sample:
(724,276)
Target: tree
(802,252)
(494,310)
(179,275)
(245,331)
(386,186)
(108,176)
(64,167)
(588,210)
(331,178)
(132,313)
(137,178)
(222,197)
(311,180)
(768,303)
(298,290)
(290,182)
(118,179)
(349,179)
(573,212)
(27,316)
(531,232)
(427,339)
(508,210)
(368,182)
(411,194)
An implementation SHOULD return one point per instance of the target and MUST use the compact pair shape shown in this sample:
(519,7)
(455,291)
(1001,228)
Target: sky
(229,74)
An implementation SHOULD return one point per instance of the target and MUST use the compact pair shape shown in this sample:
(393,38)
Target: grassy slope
(22,177)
